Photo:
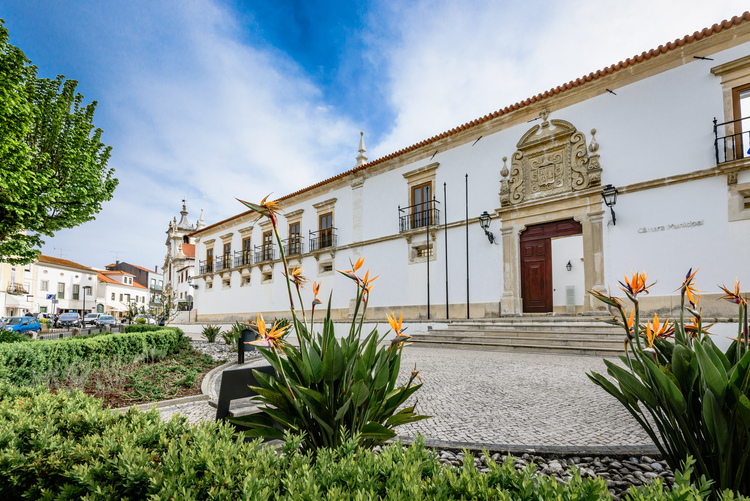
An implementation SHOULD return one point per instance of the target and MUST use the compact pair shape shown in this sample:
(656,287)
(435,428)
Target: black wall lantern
(569,266)
(191,284)
(484,222)
(609,194)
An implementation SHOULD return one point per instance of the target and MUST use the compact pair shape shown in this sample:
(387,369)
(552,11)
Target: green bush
(140,320)
(12,337)
(25,362)
(65,446)
(690,397)
(145,328)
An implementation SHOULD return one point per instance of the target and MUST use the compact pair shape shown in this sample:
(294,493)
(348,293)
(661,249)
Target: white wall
(566,249)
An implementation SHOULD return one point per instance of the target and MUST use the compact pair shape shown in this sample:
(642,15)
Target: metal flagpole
(467,247)
(445,233)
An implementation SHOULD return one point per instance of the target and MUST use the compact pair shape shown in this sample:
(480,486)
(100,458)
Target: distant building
(117,290)
(151,279)
(179,261)
(49,285)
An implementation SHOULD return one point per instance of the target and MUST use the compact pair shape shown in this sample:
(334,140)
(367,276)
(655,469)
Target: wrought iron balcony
(222,262)
(243,258)
(265,252)
(294,246)
(733,145)
(322,239)
(15,288)
(418,216)
(206,266)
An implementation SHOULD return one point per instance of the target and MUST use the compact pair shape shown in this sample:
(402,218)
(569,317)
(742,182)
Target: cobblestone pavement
(517,399)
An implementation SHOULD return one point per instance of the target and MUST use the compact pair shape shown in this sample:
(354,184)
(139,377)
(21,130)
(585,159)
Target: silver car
(103,320)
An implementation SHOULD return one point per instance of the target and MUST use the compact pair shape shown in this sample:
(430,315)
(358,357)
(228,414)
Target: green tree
(53,165)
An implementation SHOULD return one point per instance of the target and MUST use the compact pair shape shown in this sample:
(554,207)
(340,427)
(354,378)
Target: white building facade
(664,128)
(117,290)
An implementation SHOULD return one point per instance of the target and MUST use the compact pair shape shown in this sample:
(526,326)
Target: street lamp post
(86,288)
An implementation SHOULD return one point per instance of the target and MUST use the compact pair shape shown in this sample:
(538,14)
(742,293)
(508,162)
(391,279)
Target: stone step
(601,351)
(520,339)
(546,333)
(566,327)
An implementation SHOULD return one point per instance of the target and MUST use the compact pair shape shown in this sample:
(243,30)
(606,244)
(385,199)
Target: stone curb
(165,403)
(564,450)
(208,379)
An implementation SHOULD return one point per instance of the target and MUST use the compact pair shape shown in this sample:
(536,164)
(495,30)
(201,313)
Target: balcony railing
(243,257)
(731,146)
(418,216)
(264,253)
(156,287)
(294,246)
(322,239)
(206,266)
(222,262)
(14,288)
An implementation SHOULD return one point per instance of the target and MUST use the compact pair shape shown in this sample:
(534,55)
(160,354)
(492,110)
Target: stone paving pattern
(492,397)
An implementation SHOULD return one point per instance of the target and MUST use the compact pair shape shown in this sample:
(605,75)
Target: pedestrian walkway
(514,400)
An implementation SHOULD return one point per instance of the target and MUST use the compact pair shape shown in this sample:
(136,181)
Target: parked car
(23,324)
(2,325)
(103,320)
(68,320)
(91,318)
(149,319)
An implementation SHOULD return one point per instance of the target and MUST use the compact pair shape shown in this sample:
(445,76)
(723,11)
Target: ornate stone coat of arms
(551,159)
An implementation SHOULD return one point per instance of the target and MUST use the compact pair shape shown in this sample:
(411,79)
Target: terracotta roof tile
(62,262)
(189,250)
(646,55)
(106,279)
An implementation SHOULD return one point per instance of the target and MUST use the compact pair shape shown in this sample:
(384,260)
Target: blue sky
(214,99)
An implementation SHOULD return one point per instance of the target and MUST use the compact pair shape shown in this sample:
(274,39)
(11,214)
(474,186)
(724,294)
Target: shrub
(65,446)
(27,361)
(12,337)
(690,397)
(327,389)
(210,332)
(140,320)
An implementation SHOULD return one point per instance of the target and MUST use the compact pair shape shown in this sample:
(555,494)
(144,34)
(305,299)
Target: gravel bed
(618,473)
(221,351)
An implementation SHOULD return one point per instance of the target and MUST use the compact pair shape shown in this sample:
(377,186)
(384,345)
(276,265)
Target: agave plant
(689,396)
(328,388)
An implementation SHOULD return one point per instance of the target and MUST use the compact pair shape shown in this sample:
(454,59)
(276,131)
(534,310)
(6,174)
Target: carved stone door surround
(553,177)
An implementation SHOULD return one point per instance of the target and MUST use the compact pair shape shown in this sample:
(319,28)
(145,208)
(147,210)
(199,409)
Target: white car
(91,318)
(149,319)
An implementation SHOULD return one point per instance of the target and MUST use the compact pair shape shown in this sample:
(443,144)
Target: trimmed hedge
(20,362)
(65,446)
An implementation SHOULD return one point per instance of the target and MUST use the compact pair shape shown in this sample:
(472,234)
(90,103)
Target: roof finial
(361,158)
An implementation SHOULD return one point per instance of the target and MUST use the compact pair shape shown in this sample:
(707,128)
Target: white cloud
(456,61)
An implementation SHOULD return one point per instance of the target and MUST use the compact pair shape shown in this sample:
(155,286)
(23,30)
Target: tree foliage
(53,165)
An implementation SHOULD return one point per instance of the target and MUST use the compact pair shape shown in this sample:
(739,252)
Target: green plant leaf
(715,421)
(632,384)
(610,388)
(670,389)
(333,361)
(342,411)
(316,369)
(376,431)
(359,393)
(743,406)
(684,367)
(714,377)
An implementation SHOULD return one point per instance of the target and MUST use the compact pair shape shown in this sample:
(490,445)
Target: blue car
(22,324)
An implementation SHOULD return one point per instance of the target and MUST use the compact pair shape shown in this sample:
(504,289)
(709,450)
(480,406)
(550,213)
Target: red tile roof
(644,56)
(62,262)
(117,272)
(189,250)
(106,279)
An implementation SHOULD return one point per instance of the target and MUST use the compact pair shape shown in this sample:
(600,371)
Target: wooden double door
(536,262)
